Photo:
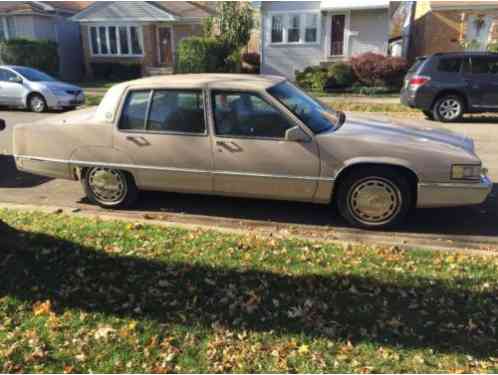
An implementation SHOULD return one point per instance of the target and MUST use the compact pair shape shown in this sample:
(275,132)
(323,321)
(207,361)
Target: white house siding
(369,31)
(285,59)
(23,26)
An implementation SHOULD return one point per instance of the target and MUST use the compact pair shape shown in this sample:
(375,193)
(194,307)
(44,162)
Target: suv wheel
(448,108)
(374,198)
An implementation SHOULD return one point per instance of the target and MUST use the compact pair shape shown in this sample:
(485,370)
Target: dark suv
(447,85)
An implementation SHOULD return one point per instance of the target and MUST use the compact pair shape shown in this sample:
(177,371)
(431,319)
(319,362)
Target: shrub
(374,69)
(38,54)
(202,55)
(493,47)
(340,75)
(251,62)
(116,71)
(312,78)
(251,58)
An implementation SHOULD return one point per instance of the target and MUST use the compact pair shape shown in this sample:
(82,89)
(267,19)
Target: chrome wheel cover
(107,185)
(37,104)
(450,109)
(374,201)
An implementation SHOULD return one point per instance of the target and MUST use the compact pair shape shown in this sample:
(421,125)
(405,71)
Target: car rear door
(251,156)
(164,132)
(481,76)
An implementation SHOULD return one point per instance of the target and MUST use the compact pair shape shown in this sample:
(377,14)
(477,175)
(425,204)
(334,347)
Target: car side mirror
(15,79)
(2,124)
(296,134)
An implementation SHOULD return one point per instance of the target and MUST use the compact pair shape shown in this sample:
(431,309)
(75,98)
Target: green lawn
(81,295)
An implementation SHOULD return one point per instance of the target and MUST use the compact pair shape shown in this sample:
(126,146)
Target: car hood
(59,85)
(395,132)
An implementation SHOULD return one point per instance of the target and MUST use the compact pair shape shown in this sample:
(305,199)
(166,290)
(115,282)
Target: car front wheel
(109,188)
(37,103)
(448,108)
(374,198)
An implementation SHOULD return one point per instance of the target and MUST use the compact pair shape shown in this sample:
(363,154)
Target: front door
(338,22)
(164,133)
(165,46)
(251,156)
(481,76)
(12,92)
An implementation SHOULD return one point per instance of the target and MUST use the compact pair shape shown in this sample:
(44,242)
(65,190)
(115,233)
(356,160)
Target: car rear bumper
(416,99)
(453,194)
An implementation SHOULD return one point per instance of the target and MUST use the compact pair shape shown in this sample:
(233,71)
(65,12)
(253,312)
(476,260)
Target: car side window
(177,111)
(6,75)
(241,114)
(484,65)
(450,65)
(134,111)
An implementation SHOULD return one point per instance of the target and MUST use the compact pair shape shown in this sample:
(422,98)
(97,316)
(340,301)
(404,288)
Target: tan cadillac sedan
(250,136)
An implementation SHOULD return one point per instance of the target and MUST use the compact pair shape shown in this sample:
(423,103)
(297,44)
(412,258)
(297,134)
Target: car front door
(481,75)
(12,90)
(252,157)
(165,134)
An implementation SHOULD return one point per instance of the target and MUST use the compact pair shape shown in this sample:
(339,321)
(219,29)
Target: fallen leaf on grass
(42,308)
(103,332)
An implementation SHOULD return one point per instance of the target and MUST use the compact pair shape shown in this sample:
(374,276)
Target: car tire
(448,108)
(109,188)
(428,114)
(37,103)
(388,190)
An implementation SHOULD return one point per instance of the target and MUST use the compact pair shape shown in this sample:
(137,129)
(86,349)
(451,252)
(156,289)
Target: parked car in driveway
(30,88)
(447,85)
(250,136)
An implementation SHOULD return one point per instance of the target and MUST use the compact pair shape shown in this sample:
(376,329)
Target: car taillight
(417,81)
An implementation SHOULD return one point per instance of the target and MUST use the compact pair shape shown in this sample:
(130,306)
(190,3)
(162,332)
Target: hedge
(38,54)
(115,71)
(202,55)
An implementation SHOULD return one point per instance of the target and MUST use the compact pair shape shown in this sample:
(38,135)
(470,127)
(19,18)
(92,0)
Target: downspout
(408,30)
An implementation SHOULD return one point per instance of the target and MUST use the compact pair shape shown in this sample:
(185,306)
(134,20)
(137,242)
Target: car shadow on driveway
(481,220)
(429,313)
(10,177)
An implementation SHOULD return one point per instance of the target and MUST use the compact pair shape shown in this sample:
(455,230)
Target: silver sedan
(30,88)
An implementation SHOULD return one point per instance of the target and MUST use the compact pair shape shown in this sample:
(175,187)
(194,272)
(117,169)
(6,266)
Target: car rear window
(450,65)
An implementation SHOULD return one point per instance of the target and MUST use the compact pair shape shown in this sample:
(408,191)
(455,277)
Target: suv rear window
(449,65)
(419,61)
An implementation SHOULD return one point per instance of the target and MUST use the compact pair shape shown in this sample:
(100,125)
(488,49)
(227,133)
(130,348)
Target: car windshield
(318,117)
(34,75)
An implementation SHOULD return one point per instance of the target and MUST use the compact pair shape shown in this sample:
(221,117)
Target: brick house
(143,32)
(447,26)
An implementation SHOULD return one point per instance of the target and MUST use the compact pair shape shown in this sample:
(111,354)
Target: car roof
(214,81)
(464,54)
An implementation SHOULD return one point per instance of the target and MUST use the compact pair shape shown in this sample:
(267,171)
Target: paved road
(474,224)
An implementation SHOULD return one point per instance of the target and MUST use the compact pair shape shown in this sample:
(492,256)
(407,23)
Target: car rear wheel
(37,103)
(429,115)
(374,198)
(109,188)
(448,108)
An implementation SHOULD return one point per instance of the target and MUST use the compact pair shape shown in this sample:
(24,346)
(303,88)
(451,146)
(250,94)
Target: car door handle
(139,141)
(230,146)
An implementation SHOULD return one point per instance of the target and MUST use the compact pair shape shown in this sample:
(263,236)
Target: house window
(294,28)
(116,40)
(277,30)
(311,31)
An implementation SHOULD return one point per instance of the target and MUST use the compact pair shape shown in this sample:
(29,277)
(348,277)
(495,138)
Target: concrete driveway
(475,227)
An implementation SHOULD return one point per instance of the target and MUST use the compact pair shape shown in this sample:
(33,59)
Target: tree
(234,21)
